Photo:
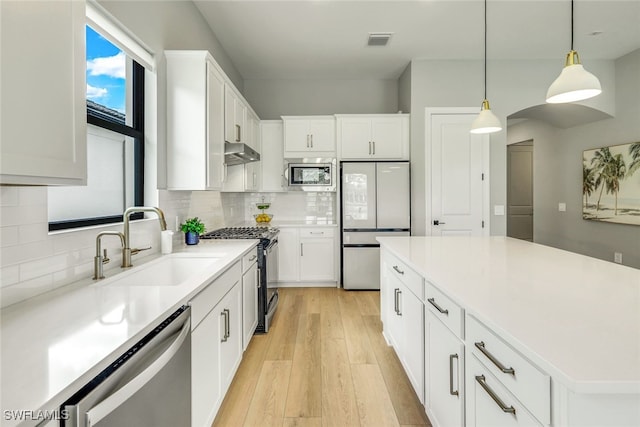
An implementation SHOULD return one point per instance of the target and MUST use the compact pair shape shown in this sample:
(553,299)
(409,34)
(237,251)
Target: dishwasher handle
(113,402)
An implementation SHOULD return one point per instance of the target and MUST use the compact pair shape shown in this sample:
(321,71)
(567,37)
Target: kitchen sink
(167,271)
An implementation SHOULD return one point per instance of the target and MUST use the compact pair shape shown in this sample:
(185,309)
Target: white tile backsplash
(34,261)
(294,206)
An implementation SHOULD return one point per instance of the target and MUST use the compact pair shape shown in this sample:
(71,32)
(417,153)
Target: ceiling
(326,39)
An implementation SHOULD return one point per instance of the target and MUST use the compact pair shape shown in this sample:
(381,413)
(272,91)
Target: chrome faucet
(99,260)
(126,251)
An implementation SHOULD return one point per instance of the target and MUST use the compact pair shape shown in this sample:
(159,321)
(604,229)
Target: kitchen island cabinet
(549,334)
(44,131)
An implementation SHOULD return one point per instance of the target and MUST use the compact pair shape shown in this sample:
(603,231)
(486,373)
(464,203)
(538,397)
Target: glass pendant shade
(486,122)
(574,83)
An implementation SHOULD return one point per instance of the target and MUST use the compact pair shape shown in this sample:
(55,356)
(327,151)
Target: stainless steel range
(267,266)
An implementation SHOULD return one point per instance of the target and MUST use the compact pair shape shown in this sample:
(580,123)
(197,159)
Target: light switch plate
(498,210)
(562,207)
(617,257)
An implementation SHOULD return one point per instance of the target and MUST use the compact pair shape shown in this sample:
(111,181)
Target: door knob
(436,222)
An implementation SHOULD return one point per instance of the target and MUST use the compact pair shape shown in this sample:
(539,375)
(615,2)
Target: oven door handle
(113,402)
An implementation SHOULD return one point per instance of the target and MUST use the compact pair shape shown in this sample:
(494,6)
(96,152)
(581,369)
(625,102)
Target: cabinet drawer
(317,232)
(450,313)
(406,275)
(204,302)
(527,383)
(490,403)
(249,259)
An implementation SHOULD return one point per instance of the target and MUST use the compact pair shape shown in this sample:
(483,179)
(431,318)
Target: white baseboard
(307,284)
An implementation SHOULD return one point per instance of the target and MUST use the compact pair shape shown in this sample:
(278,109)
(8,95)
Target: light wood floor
(324,362)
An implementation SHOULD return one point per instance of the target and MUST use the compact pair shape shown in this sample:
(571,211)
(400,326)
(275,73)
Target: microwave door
(359,196)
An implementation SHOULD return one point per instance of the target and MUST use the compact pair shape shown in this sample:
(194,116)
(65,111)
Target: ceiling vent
(378,39)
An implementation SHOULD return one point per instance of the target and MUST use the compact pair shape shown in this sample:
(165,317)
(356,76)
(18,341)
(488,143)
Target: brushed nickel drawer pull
(494,396)
(451,391)
(480,346)
(395,267)
(395,300)
(253,258)
(227,321)
(432,301)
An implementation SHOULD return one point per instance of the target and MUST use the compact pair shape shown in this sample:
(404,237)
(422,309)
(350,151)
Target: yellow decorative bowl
(263,218)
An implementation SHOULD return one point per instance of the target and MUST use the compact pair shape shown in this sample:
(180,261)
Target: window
(115,141)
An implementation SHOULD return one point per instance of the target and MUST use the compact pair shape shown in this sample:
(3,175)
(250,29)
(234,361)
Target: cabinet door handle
(509,409)
(227,324)
(253,258)
(395,267)
(316,232)
(432,301)
(307,141)
(301,249)
(480,346)
(374,148)
(398,296)
(238,133)
(451,357)
(395,300)
(369,147)
(258,278)
(225,314)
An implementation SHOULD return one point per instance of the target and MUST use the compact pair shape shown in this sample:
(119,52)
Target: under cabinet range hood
(237,153)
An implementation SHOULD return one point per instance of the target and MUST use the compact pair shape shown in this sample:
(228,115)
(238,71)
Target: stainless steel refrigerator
(375,200)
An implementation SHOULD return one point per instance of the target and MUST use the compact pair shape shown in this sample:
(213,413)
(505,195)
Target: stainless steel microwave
(310,174)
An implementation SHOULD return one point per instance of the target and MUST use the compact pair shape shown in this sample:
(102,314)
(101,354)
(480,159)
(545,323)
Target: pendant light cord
(571,24)
(485,48)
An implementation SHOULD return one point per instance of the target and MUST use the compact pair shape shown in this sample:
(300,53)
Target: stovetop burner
(242,233)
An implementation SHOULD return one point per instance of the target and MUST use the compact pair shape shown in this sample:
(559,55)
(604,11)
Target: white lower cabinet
(445,374)
(307,254)
(216,343)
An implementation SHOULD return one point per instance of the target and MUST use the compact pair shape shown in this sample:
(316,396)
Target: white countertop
(55,343)
(576,317)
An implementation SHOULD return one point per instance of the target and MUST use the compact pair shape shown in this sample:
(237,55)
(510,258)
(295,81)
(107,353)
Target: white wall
(558,173)
(274,98)
(512,86)
(404,90)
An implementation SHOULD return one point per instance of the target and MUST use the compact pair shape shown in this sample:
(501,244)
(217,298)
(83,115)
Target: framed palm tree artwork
(611,184)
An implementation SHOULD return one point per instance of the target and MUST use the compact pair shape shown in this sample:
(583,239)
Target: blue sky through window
(105,72)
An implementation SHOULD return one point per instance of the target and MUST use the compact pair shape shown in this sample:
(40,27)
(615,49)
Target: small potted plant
(192,229)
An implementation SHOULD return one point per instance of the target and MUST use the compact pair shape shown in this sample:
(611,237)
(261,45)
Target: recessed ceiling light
(379,39)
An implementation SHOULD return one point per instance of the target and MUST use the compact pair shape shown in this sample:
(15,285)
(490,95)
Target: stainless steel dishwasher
(149,385)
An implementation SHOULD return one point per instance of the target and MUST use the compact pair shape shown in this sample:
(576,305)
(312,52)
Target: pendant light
(574,83)
(486,122)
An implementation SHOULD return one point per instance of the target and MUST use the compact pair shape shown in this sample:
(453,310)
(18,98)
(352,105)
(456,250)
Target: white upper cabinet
(378,136)
(271,156)
(195,121)
(235,117)
(43,132)
(309,136)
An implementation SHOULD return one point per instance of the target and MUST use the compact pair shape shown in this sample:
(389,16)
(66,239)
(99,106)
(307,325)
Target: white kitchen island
(568,325)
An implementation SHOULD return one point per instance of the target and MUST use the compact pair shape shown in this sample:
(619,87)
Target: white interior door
(457,174)
(359,195)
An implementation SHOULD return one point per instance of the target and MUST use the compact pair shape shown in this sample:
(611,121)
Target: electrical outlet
(617,257)
(562,207)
